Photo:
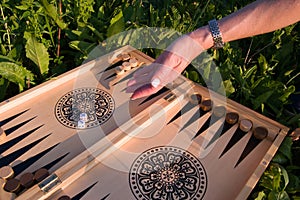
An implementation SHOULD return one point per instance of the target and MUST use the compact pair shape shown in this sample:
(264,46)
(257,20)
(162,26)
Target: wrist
(203,37)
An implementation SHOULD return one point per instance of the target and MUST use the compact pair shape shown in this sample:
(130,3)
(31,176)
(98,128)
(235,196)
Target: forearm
(259,17)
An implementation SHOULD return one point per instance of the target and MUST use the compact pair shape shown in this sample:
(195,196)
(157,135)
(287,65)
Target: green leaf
(250,71)
(37,52)
(3,50)
(261,195)
(294,119)
(286,148)
(26,14)
(15,73)
(101,13)
(263,64)
(206,71)
(285,177)
(278,195)
(84,47)
(280,158)
(6,59)
(294,184)
(266,180)
(290,90)
(96,32)
(262,99)
(287,73)
(276,178)
(117,25)
(3,87)
(52,12)
(194,76)
(23,7)
(229,88)
(257,82)
(27,35)
(16,52)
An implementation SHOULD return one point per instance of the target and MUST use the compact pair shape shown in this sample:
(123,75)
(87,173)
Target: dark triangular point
(81,194)
(16,127)
(111,76)
(210,121)
(6,160)
(161,91)
(129,76)
(194,118)
(222,129)
(113,66)
(51,164)
(252,143)
(5,146)
(184,110)
(27,163)
(238,134)
(5,121)
(105,197)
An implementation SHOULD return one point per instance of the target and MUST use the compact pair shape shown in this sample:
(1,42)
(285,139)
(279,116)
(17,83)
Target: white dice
(83,117)
(81,124)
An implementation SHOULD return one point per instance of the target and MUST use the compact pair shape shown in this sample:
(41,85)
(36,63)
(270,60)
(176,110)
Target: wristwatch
(216,34)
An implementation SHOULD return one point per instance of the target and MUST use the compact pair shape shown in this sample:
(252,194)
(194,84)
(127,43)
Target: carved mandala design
(84,108)
(165,173)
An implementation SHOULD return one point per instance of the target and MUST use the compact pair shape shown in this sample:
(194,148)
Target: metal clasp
(50,182)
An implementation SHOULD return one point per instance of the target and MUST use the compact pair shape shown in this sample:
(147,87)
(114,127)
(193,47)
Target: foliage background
(42,39)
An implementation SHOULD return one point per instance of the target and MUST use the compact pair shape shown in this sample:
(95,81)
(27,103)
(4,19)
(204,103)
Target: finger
(134,87)
(163,76)
(144,91)
(158,79)
(143,71)
(139,80)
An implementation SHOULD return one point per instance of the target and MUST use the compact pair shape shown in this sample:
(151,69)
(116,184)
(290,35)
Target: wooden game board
(170,145)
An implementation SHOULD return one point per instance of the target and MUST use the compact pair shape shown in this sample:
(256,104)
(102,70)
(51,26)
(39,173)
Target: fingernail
(155,82)
(132,98)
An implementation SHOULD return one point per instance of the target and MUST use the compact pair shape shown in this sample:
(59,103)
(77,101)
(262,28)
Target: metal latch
(50,182)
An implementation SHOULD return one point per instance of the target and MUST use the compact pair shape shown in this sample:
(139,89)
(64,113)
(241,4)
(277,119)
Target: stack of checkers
(12,186)
(128,63)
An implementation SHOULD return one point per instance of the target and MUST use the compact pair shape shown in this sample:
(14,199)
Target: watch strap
(216,34)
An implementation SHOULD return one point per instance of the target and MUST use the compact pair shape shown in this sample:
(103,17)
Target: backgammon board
(79,136)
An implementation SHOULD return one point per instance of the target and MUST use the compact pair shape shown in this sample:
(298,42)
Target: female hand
(165,69)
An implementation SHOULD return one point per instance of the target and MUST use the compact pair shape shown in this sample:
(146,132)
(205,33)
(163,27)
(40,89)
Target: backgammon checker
(182,143)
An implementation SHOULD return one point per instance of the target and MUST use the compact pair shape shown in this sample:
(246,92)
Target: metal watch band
(216,34)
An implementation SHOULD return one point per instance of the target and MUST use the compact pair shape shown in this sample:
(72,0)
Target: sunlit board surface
(185,142)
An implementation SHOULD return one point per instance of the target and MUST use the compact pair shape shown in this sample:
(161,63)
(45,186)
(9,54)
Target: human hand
(165,69)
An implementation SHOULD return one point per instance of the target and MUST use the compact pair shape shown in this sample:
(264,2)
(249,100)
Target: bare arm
(261,16)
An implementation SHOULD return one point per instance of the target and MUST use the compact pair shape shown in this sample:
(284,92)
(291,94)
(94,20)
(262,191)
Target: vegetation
(42,39)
